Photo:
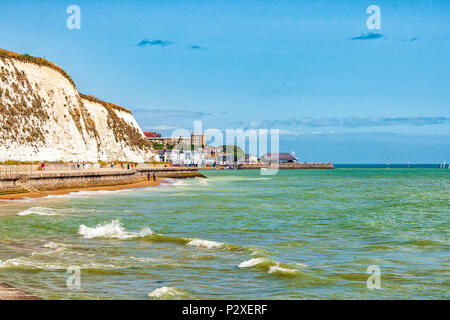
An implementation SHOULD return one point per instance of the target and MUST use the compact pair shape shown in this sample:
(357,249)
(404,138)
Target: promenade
(17,180)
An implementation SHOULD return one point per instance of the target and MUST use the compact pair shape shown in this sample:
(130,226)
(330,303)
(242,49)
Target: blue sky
(338,91)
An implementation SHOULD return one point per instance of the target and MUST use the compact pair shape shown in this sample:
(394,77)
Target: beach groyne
(52,180)
(289,166)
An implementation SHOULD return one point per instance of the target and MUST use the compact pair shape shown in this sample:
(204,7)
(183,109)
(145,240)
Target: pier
(289,166)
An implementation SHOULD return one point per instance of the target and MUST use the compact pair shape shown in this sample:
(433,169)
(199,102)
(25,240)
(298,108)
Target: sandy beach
(18,196)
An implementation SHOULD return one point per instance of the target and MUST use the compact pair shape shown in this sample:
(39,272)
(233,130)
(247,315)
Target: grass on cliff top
(42,62)
(36,60)
(104,103)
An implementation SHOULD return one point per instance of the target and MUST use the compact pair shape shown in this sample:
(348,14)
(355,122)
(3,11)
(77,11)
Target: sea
(351,233)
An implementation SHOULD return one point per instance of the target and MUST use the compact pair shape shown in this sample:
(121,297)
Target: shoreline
(8,292)
(61,191)
(41,182)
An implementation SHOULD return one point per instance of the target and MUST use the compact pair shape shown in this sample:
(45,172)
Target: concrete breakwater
(51,180)
(289,166)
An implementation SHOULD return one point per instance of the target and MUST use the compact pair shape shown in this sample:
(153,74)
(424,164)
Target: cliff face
(44,117)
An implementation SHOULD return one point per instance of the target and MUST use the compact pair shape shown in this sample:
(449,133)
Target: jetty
(288,166)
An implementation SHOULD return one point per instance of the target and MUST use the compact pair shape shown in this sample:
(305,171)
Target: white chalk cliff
(44,117)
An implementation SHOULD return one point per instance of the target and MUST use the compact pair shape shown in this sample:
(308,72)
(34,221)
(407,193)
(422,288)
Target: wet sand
(18,196)
(8,292)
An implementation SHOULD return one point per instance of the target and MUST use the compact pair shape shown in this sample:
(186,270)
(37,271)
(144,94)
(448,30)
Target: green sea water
(300,234)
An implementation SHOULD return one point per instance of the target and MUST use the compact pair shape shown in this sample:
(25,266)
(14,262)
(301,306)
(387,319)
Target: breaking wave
(26,263)
(42,211)
(85,193)
(253,262)
(166,293)
(270,267)
(204,243)
(115,230)
(277,269)
(112,230)
(56,248)
(53,245)
(188,182)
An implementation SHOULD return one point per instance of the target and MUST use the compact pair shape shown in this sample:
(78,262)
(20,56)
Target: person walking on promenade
(154,177)
(121,164)
(148,176)
(78,165)
(112,165)
(84,165)
(128,166)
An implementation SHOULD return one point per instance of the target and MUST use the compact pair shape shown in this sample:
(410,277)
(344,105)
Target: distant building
(153,137)
(167,141)
(198,140)
(152,134)
(278,157)
(251,159)
(173,141)
(185,158)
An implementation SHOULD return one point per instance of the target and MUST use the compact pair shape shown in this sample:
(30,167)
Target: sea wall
(43,181)
(289,166)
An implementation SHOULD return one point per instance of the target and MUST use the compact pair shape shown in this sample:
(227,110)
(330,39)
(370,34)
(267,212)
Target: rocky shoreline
(8,292)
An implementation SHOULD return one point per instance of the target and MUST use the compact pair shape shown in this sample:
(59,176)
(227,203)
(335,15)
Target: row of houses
(193,151)
(170,142)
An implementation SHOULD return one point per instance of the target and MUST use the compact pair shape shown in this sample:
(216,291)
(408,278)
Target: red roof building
(152,134)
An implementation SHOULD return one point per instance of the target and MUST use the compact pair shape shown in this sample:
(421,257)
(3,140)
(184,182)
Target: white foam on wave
(85,193)
(52,245)
(277,269)
(165,292)
(188,182)
(42,211)
(112,230)
(23,262)
(204,243)
(183,182)
(57,248)
(24,199)
(252,262)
